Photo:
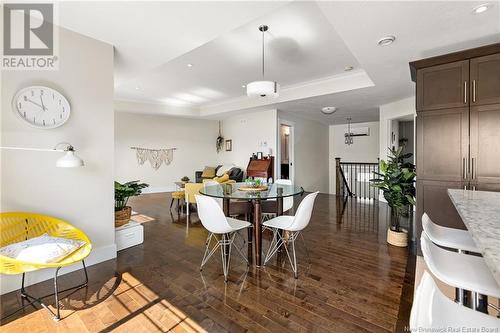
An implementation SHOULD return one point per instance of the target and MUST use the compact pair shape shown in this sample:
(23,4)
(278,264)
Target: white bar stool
(460,271)
(432,310)
(459,240)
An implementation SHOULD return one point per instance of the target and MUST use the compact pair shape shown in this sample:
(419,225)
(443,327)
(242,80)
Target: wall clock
(41,107)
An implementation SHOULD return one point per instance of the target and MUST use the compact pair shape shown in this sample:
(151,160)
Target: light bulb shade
(69,160)
(263,89)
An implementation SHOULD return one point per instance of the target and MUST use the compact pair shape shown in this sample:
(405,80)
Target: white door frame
(291,149)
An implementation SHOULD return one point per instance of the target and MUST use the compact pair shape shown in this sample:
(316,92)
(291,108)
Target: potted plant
(396,180)
(122,193)
(185,179)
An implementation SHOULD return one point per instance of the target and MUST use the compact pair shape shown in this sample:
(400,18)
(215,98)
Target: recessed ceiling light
(190,65)
(243,86)
(328,109)
(481,8)
(348,68)
(137,88)
(386,40)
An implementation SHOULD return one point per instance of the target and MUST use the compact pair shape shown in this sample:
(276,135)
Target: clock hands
(26,99)
(43,106)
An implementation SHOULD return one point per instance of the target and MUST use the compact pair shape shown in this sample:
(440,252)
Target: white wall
(398,109)
(310,152)
(251,133)
(364,149)
(30,181)
(390,111)
(193,138)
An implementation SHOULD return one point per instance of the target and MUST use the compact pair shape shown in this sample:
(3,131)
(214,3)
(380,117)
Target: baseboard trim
(160,189)
(10,283)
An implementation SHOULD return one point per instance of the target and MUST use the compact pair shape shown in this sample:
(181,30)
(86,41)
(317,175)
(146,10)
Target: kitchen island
(480,212)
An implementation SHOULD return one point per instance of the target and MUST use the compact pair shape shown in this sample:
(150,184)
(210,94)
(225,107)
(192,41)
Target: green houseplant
(396,181)
(122,193)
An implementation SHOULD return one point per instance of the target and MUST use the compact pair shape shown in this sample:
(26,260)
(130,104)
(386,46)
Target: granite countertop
(480,212)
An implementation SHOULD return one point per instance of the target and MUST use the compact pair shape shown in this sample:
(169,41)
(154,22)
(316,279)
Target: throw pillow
(222,179)
(223,169)
(42,250)
(208,172)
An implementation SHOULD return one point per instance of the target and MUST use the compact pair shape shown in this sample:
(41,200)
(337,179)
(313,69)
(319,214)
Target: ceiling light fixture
(387,40)
(263,88)
(481,8)
(328,109)
(348,136)
(348,68)
(190,65)
(243,86)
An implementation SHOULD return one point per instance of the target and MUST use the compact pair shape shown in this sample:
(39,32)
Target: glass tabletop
(245,192)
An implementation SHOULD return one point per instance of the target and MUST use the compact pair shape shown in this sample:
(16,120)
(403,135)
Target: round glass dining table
(272,197)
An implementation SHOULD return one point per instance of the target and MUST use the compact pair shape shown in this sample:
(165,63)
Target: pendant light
(263,88)
(348,136)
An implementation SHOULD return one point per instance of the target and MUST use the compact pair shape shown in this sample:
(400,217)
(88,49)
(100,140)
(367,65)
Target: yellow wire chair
(17,227)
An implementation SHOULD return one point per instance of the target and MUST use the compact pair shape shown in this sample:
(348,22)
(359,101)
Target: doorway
(285,161)
(403,135)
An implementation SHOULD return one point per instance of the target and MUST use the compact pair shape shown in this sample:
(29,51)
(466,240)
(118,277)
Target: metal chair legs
(225,243)
(32,300)
(278,241)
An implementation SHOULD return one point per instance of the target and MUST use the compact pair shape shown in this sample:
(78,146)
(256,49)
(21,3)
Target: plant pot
(397,238)
(122,216)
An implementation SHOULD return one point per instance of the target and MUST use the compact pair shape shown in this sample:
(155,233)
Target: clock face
(41,107)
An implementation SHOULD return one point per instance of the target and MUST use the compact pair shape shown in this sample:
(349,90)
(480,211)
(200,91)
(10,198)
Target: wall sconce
(69,160)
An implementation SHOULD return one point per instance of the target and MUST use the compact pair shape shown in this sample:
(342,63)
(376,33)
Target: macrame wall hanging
(156,157)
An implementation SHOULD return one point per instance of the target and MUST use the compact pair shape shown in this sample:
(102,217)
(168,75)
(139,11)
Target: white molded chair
(433,310)
(457,239)
(287,201)
(292,225)
(459,270)
(213,219)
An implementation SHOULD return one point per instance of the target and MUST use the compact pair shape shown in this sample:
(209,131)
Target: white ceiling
(308,42)
(301,45)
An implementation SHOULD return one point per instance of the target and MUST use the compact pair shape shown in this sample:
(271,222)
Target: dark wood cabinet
(263,168)
(443,86)
(485,144)
(458,129)
(485,80)
(442,144)
(434,200)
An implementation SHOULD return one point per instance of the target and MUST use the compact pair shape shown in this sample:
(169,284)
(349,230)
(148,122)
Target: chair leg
(272,246)
(226,255)
(208,253)
(187,212)
(32,300)
(171,203)
(56,295)
(293,262)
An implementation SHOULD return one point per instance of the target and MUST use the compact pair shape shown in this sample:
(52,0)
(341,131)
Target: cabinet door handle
(464,171)
(465,92)
(473,91)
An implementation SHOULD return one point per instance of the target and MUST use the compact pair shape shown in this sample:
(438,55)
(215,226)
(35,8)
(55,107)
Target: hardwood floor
(353,282)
